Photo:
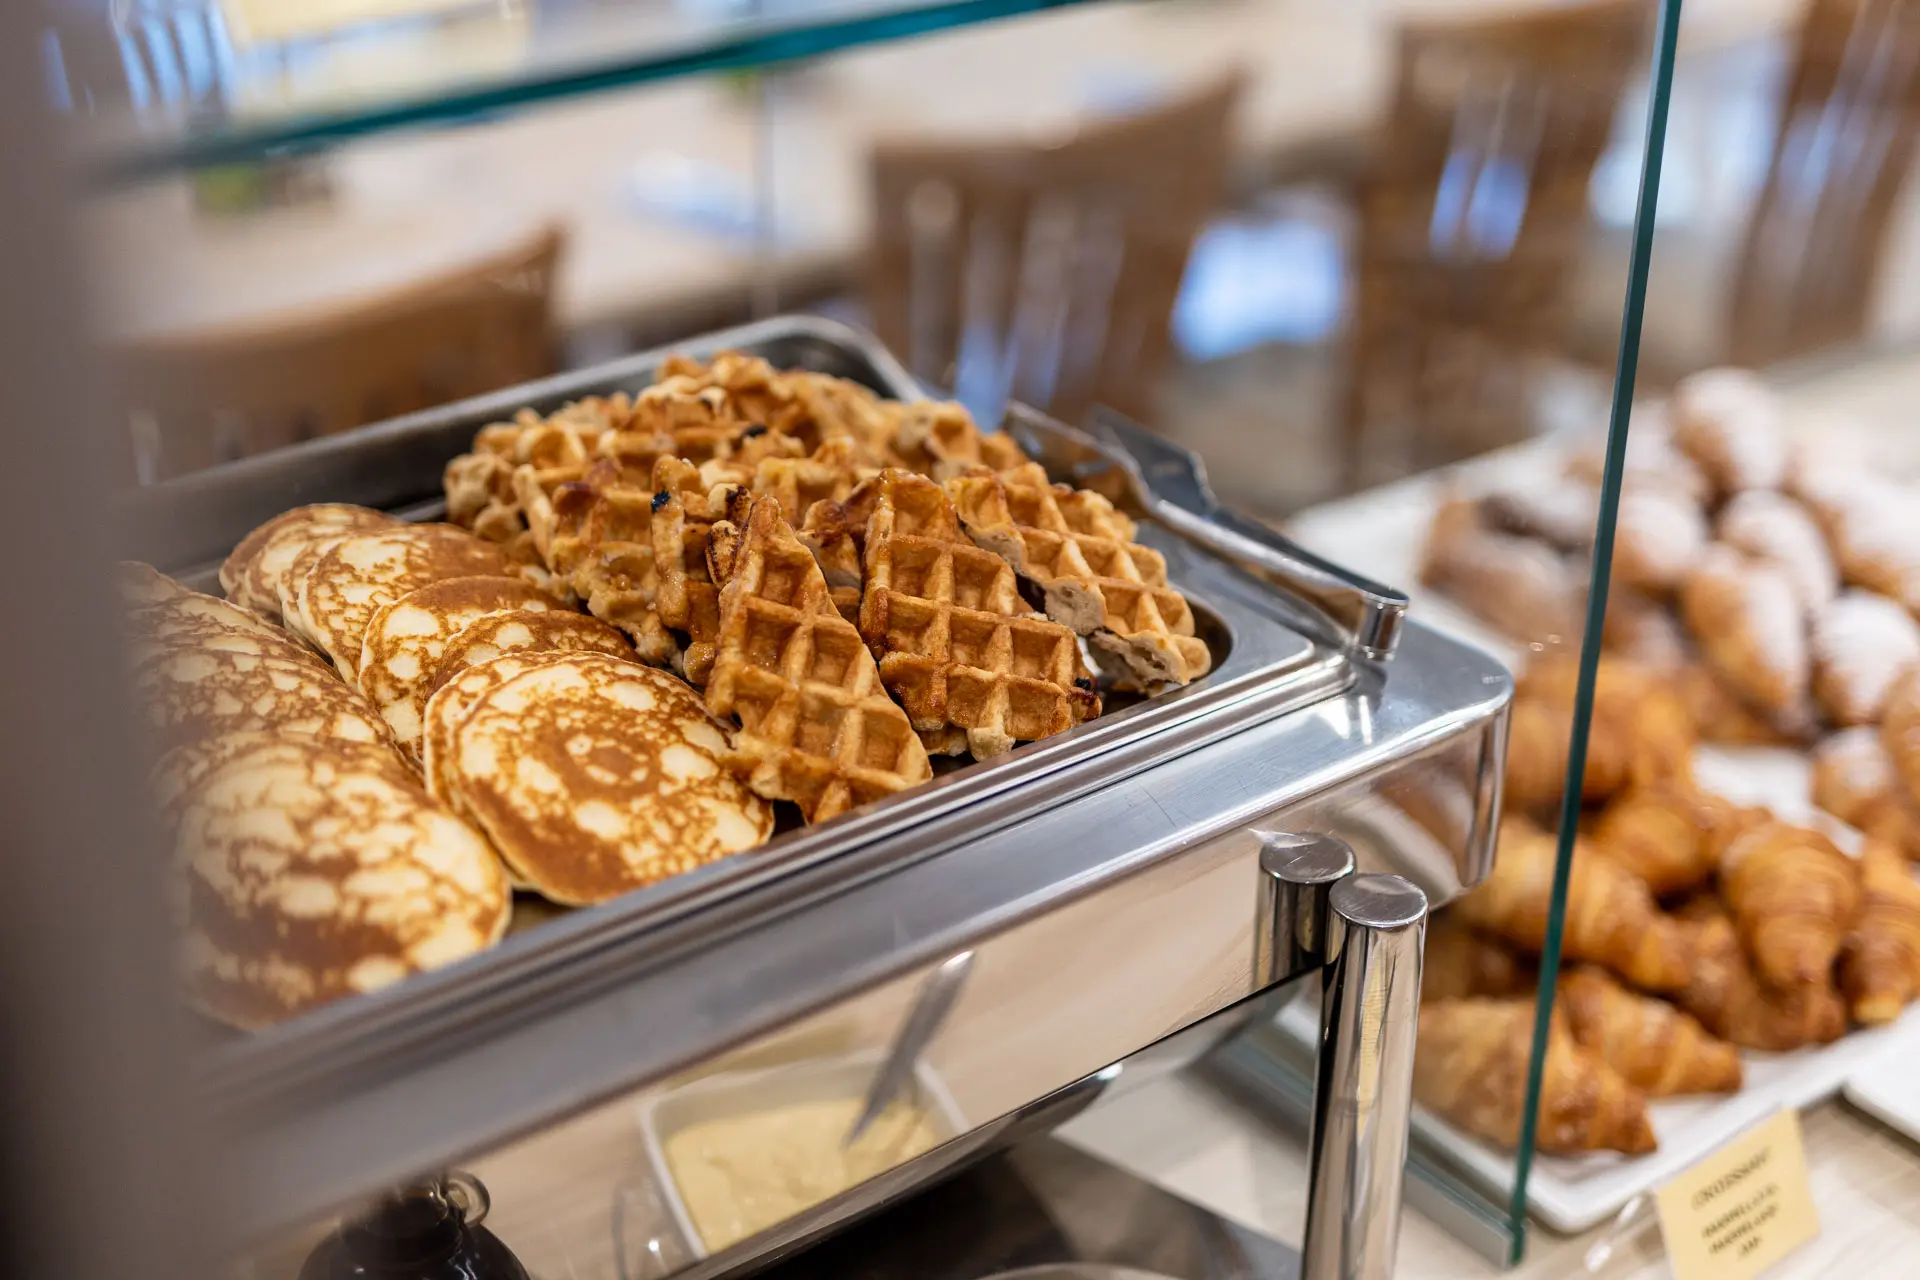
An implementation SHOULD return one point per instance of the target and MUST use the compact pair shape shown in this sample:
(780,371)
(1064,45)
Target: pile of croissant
(1694,928)
(1777,583)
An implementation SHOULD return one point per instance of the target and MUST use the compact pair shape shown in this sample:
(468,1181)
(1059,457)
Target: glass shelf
(182,84)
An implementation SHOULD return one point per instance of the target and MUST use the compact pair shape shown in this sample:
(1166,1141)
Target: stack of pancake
(314,859)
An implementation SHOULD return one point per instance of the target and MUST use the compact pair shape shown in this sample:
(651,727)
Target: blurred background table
(691,204)
(1318,76)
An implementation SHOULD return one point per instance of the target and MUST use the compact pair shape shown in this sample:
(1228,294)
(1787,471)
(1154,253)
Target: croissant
(1660,834)
(1470,1065)
(1729,422)
(1659,535)
(1644,631)
(1900,730)
(1793,896)
(1655,1046)
(1464,962)
(1537,756)
(1723,822)
(1854,780)
(1751,628)
(1880,965)
(1652,460)
(1520,586)
(1730,1001)
(1719,716)
(1875,532)
(1862,643)
(1640,732)
(1561,511)
(1773,527)
(1611,918)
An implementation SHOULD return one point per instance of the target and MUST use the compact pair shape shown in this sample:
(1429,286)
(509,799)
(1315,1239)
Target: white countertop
(1186,1137)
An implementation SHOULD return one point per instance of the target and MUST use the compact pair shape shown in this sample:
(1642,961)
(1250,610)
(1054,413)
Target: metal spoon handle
(930,1009)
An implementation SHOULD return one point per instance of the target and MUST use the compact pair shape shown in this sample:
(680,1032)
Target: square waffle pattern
(958,647)
(816,726)
(595,534)
(480,484)
(1095,577)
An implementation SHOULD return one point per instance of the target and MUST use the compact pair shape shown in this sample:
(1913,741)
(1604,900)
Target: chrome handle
(1363,1096)
(1296,873)
(1361,615)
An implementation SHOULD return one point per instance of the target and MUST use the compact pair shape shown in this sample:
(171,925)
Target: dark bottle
(428,1230)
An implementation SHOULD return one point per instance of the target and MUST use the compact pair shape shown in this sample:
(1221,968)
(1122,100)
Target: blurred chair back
(1471,217)
(1818,233)
(1046,273)
(207,398)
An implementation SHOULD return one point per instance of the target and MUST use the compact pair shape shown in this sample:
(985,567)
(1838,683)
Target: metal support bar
(1296,873)
(1363,1096)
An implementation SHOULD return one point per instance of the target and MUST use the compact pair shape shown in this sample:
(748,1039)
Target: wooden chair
(1814,245)
(1471,216)
(208,398)
(1046,273)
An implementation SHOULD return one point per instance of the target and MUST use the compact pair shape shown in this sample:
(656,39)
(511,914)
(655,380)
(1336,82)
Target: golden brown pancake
(196,693)
(404,641)
(143,586)
(181,769)
(251,575)
(554,631)
(350,582)
(309,872)
(190,620)
(594,776)
(447,709)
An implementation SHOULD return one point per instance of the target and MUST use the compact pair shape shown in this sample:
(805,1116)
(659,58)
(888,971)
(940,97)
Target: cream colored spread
(739,1175)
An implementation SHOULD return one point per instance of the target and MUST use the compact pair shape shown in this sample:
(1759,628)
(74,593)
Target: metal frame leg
(1363,1096)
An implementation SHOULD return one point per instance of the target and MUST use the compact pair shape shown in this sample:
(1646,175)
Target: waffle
(958,647)
(479,484)
(1080,551)
(806,407)
(816,726)
(686,598)
(940,439)
(597,537)
(310,872)
(834,542)
(405,640)
(828,474)
(594,777)
(250,577)
(349,583)
(552,631)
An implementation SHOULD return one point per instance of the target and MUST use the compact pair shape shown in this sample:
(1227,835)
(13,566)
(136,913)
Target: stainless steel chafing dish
(1122,890)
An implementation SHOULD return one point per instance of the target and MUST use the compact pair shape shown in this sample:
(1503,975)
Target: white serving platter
(1574,1193)
(1888,1087)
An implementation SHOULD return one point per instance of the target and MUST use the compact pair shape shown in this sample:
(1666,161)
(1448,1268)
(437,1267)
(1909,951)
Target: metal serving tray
(660,981)
(1260,666)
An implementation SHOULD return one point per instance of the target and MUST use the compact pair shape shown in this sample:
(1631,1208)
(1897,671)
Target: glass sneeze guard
(185,85)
